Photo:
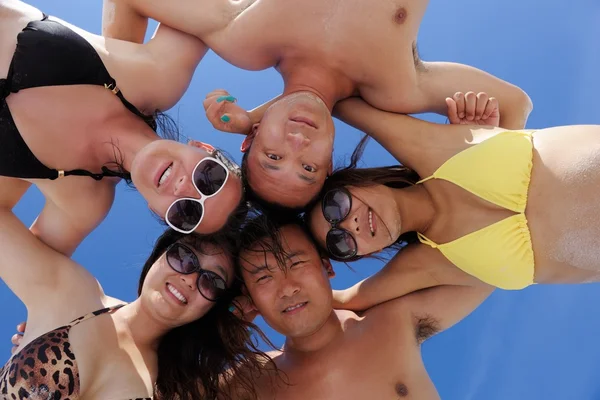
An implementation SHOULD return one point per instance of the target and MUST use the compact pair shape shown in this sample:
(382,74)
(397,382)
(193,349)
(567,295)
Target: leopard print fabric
(45,369)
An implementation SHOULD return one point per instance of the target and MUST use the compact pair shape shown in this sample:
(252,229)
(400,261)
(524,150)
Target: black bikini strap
(82,172)
(45,16)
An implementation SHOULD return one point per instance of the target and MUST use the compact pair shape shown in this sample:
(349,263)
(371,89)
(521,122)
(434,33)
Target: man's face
(290,153)
(296,300)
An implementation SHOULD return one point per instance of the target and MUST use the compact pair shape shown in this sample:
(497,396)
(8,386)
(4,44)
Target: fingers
(21,327)
(491,106)
(470,106)
(481,103)
(452,111)
(459,98)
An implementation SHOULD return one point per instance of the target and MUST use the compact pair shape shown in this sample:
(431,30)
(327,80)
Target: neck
(120,142)
(145,331)
(328,84)
(416,208)
(318,340)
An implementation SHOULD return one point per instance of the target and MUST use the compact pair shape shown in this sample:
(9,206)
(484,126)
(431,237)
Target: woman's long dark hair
(394,176)
(195,360)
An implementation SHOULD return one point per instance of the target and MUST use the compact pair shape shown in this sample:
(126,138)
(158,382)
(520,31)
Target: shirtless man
(336,354)
(326,51)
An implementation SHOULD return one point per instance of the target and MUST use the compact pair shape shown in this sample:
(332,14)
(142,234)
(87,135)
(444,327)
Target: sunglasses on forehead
(183,260)
(336,206)
(209,177)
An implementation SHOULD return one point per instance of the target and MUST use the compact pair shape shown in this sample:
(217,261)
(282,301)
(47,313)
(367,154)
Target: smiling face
(290,151)
(173,297)
(373,220)
(162,172)
(297,300)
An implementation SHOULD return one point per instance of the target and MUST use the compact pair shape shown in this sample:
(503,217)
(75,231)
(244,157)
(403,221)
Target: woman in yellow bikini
(470,204)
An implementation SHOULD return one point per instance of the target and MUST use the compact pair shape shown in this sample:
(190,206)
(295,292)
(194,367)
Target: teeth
(371,223)
(177,294)
(294,307)
(165,175)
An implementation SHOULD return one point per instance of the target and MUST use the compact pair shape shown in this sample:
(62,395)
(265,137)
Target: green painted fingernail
(225,118)
(228,98)
(231,308)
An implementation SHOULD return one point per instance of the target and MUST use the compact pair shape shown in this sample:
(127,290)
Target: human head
(286,276)
(174,162)
(207,341)
(372,199)
(289,154)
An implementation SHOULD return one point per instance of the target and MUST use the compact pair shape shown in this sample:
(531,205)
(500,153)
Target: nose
(351,224)
(185,188)
(289,287)
(297,140)
(189,281)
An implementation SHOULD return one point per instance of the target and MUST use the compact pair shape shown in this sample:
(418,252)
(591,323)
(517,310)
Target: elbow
(522,103)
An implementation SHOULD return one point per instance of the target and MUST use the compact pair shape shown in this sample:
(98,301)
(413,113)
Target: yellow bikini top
(497,170)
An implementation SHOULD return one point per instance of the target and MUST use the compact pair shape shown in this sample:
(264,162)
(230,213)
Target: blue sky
(539,343)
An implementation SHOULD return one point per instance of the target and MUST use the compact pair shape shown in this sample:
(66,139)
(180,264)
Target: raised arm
(121,21)
(410,270)
(33,271)
(439,80)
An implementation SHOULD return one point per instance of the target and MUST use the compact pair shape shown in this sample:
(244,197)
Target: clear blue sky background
(539,343)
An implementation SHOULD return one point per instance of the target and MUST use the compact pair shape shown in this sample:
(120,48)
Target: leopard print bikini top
(46,367)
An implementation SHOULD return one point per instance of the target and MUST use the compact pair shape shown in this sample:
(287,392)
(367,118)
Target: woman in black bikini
(78,112)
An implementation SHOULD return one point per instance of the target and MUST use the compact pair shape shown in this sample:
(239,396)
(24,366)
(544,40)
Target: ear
(249,138)
(201,145)
(328,267)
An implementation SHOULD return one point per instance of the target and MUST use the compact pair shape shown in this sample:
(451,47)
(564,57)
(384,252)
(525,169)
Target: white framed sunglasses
(209,178)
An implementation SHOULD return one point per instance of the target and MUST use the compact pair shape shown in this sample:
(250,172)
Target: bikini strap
(426,241)
(108,310)
(55,174)
(426,179)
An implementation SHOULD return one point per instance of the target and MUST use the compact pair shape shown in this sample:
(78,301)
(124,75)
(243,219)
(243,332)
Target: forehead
(210,256)
(292,239)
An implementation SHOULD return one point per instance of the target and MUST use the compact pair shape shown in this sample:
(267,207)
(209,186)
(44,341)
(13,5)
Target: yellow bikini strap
(426,179)
(426,241)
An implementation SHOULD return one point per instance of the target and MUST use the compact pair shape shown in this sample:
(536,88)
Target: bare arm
(409,271)
(195,17)
(439,80)
(121,21)
(33,271)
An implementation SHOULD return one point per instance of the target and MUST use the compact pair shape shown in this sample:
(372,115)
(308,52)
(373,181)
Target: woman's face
(162,172)
(174,298)
(373,220)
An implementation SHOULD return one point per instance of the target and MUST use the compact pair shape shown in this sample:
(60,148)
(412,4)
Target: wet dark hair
(394,176)
(195,360)
(262,234)
(274,209)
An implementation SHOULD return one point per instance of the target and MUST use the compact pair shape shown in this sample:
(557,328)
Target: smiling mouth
(177,294)
(295,307)
(165,174)
(371,226)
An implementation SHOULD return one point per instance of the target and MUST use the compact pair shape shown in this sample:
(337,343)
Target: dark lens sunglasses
(336,206)
(183,260)
(209,177)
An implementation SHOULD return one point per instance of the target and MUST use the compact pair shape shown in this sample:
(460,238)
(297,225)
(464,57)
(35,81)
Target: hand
(224,114)
(243,307)
(473,109)
(17,337)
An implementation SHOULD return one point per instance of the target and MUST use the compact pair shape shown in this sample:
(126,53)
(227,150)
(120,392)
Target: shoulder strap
(426,241)
(95,314)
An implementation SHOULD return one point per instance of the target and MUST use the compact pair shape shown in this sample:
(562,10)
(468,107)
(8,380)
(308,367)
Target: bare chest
(369,371)
(371,42)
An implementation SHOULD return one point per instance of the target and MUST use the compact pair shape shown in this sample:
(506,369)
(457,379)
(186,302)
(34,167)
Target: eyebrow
(258,269)
(269,166)
(308,179)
